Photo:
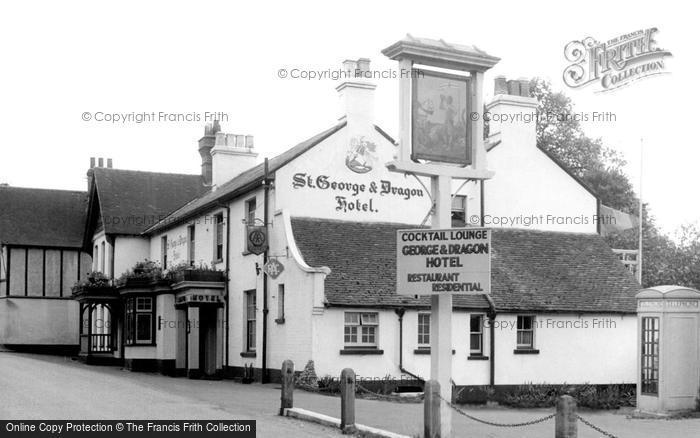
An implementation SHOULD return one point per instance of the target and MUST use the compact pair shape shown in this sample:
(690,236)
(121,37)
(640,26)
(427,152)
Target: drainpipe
(400,312)
(492,306)
(266,189)
(226,286)
(114,315)
(228,274)
(492,338)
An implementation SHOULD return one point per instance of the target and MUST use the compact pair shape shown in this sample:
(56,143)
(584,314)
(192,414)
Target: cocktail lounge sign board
(443,261)
(440,118)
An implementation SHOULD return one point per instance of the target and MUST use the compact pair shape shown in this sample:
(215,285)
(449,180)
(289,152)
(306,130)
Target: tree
(559,132)
(601,168)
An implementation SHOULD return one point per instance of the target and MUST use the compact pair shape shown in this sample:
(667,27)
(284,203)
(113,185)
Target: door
(207,340)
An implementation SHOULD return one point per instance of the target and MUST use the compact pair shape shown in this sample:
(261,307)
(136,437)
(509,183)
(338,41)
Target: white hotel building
(561,308)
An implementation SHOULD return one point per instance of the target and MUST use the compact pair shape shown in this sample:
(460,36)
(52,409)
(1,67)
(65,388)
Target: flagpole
(641,209)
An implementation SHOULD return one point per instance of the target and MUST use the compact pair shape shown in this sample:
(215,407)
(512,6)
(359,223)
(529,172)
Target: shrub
(93,280)
(586,395)
(329,384)
(146,269)
(184,266)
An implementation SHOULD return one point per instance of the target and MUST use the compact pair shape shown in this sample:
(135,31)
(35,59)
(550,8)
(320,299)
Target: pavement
(49,387)
(407,418)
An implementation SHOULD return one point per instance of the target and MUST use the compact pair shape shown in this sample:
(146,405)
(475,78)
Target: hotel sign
(256,241)
(447,261)
(440,128)
(199,298)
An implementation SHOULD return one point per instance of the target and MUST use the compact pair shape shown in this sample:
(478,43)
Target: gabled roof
(566,169)
(531,270)
(240,184)
(42,217)
(131,201)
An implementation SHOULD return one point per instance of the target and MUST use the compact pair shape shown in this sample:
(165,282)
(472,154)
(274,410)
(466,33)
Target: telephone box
(668,375)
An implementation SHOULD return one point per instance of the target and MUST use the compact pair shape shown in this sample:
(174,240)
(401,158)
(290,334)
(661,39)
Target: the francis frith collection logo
(616,62)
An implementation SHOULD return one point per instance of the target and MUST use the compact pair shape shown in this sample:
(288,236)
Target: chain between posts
(594,427)
(311,388)
(452,405)
(385,396)
(465,414)
(491,423)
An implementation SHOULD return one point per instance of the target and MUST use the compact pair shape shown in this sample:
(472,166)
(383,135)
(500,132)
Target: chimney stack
(500,85)
(516,110)
(206,144)
(356,95)
(100,163)
(231,155)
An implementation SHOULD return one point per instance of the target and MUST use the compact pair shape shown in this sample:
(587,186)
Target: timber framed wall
(50,272)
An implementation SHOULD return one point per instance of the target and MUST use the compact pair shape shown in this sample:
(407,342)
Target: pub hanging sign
(441,118)
(256,241)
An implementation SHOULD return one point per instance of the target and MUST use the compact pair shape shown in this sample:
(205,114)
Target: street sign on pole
(443,261)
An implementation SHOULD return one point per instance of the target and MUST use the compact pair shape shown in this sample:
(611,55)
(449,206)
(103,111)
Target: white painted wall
(140,352)
(129,250)
(329,361)
(98,239)
(595,354)
(166,333)
(567,355)
(529,190)
(329,159)
(39,321)
(204,233)
(292,339)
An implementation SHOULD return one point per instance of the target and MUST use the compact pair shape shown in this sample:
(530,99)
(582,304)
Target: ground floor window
(423,330)
(361,329)
(476,335)
(280,303)
(650,355)
(526,332)
(138,322)
(250,320)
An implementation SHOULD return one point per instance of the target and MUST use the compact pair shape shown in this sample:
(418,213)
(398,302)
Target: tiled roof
(531,270)
(242,183)
(131,201)
(42,217)
(362,258)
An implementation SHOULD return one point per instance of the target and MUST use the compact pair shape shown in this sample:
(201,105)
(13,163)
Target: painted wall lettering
(348,193)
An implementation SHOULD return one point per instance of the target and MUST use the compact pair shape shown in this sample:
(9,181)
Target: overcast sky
(61,59)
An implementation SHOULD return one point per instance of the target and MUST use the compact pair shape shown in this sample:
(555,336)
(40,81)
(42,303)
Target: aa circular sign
(257,239)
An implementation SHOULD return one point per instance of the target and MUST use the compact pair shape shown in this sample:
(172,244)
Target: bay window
(139,317)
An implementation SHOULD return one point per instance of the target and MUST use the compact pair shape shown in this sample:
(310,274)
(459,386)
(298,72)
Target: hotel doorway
(208,341)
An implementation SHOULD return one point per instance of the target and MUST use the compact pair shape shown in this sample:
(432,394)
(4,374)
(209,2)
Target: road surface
(57,388)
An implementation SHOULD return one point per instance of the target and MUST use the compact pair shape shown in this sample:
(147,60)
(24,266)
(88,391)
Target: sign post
(440,122)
